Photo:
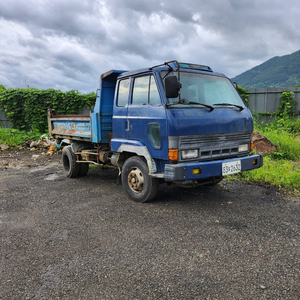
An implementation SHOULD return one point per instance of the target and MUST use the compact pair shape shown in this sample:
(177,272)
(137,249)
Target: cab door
(120,122)
(146,116)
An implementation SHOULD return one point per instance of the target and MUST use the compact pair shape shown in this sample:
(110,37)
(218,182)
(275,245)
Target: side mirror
(172,87)
(235,84)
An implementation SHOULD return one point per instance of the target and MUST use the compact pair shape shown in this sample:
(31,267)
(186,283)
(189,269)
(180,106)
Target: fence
(268,99)
(260,101)
(3,121)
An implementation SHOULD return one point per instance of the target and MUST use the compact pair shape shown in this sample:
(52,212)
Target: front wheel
(137,182)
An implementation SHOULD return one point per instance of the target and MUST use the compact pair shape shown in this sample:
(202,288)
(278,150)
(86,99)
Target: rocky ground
(82,238)
(24,158)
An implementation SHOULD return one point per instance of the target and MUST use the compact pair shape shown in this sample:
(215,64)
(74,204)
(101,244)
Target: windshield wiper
(185,101)
(229,104)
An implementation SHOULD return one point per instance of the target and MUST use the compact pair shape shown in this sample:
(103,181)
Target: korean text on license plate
(231,167)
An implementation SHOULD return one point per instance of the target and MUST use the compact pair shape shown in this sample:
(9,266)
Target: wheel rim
(136,180)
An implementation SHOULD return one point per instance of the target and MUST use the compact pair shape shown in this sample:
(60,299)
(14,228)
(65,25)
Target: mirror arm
(170,69)
(179,92)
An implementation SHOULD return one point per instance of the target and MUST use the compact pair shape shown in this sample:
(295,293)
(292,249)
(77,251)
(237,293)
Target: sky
(68,44)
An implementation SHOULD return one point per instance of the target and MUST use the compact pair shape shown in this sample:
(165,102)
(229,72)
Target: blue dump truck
(176,123)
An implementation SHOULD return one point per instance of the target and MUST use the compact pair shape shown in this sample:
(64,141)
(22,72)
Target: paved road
(82,239)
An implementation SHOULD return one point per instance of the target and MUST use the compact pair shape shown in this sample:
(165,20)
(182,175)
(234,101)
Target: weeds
(288,147)
(284,174)
(282,168)
(15,137)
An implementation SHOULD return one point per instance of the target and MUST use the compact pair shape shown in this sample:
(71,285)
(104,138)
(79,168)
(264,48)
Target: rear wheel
(70,167)
(137,182)
(84,169)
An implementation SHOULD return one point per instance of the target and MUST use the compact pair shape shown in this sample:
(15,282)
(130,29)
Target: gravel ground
(83,239)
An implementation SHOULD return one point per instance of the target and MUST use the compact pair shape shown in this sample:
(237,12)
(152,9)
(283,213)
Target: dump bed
(96,127)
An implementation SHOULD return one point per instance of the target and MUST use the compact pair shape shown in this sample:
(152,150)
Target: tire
(137,183)
(70,167)
(84,169)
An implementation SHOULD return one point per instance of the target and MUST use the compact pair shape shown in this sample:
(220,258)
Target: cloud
(68,44)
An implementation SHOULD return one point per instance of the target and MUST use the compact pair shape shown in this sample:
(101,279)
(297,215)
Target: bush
(287,105)
(27,108)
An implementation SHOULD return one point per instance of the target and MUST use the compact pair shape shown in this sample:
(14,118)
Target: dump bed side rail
(74,127)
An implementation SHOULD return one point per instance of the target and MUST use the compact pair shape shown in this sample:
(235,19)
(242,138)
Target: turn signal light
(173,154)
(251,146)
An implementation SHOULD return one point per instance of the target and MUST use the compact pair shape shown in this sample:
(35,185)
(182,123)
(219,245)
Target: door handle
(127,125)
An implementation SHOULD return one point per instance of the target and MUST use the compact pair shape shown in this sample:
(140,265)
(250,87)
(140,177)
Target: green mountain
(279,71)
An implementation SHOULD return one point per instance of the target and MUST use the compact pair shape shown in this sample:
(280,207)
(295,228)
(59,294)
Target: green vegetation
(15,137)
(244,93)
(27,108)
(287,106)
(281,71)
(284,174)
(281,168)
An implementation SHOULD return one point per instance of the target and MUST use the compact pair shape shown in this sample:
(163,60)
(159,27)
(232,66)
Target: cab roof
(173,65)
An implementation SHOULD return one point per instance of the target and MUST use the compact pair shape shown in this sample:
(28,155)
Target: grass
(282,168)
(98,167)
(281,173)
(288,147)
(15,137)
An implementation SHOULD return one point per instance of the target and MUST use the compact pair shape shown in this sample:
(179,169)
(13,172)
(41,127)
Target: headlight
(243,148)
(188,154)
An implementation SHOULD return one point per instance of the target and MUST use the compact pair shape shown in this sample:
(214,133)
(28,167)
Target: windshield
(206,89)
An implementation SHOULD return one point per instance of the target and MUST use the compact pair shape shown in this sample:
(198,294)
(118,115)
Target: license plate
(231,167)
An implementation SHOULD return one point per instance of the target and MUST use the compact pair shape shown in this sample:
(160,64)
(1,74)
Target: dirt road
(82,239)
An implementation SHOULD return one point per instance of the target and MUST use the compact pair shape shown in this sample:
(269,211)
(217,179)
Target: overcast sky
(67,44)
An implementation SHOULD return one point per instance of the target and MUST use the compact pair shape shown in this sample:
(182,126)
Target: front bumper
(184,171)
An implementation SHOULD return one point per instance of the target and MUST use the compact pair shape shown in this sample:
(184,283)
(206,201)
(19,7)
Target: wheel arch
(126,151)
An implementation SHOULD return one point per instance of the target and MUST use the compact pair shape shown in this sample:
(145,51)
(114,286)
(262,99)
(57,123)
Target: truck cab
(176,122)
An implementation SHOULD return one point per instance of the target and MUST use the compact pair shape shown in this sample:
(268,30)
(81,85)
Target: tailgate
(76,127)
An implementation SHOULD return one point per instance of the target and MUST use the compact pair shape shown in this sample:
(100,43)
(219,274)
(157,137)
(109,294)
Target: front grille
(214,146)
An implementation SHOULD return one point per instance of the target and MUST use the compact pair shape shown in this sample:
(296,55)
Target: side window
(145,91)
(123,92)
(154,97)
(140,90)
